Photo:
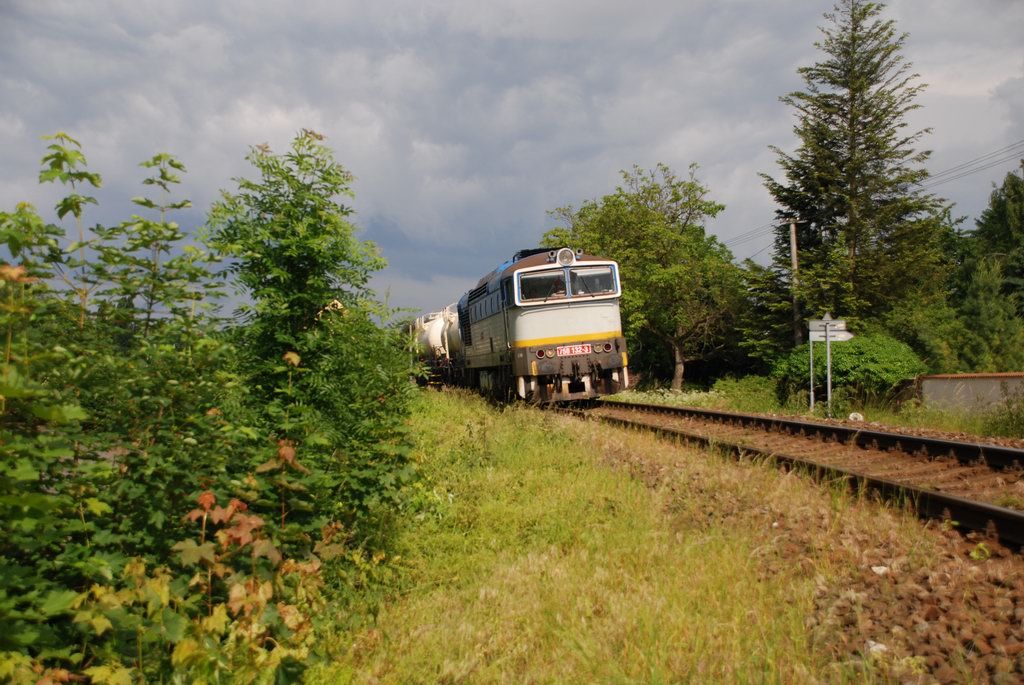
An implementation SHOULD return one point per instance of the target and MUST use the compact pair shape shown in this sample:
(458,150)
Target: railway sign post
(827,330)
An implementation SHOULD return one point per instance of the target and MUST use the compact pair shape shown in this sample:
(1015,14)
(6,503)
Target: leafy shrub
(295,258)
(866,367)
(122,401)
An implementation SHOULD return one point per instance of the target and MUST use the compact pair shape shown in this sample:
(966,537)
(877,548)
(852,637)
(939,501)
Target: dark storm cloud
(464,122)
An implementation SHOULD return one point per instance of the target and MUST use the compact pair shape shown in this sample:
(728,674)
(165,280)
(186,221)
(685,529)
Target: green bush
(124,403)
(868,367)
(320,370)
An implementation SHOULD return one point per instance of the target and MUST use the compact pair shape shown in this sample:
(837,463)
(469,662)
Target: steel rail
(994,456)
(1006,524)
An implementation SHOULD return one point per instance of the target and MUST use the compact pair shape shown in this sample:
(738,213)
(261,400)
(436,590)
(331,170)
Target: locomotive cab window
(542,285)
(591,280)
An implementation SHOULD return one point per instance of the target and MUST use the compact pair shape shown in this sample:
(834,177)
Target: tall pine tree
(994,339)
(1000,231)
(869,238)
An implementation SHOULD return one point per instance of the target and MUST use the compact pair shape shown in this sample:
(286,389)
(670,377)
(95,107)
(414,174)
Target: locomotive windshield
(591,280)
(597,280)
(541,285)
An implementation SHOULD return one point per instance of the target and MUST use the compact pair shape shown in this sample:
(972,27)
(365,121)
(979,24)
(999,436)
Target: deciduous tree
(679,284)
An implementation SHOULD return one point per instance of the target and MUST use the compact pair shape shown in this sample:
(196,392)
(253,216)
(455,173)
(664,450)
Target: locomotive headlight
(566,257)
(607,347)
(549,353)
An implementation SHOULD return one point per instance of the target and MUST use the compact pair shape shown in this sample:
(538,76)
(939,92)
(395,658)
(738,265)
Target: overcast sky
(463,121)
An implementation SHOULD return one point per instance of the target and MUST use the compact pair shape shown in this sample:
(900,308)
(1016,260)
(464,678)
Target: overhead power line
(1019,145)
(989,160)
(760,251)
(752,234)
(1005,154)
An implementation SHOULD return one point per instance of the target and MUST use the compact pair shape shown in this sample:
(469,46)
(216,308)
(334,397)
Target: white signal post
(828,330)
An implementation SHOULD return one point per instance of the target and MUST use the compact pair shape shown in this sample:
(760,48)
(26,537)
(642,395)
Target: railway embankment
(544,548)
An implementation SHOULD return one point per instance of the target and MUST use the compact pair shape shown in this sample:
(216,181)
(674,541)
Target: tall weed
(1007,419)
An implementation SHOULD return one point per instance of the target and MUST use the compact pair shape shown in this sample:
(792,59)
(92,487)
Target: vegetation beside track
(756,394)
(546,549)
(182,495)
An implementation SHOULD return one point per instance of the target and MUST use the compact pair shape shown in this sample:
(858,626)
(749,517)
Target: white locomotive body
(544,326)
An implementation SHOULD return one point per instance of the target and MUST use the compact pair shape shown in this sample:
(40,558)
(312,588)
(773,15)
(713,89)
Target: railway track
(978,485)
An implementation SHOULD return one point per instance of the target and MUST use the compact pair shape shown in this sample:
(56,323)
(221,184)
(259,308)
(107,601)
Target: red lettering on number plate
(573,350)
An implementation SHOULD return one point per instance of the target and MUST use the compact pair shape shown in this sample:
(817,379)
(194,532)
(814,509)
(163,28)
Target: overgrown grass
(913,414)
(1008,419)
(544,551)
(747,394)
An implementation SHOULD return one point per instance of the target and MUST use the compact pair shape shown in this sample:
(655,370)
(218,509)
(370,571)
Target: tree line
(873,245)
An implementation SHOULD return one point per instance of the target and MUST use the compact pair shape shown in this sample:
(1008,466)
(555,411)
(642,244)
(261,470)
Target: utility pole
(798,329)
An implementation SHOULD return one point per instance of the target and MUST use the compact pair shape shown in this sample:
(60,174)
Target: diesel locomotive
(543,326)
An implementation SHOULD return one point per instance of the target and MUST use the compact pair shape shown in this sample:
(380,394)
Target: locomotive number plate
(572,350)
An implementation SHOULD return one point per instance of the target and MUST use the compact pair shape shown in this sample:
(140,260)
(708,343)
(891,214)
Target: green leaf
(58,602)
(15,385)
(49,175)
(144,202)
(192,553)
(23,471)
(59,413)
(110,675)
(73,204)
(97,507)
(100,624)
(174,625)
